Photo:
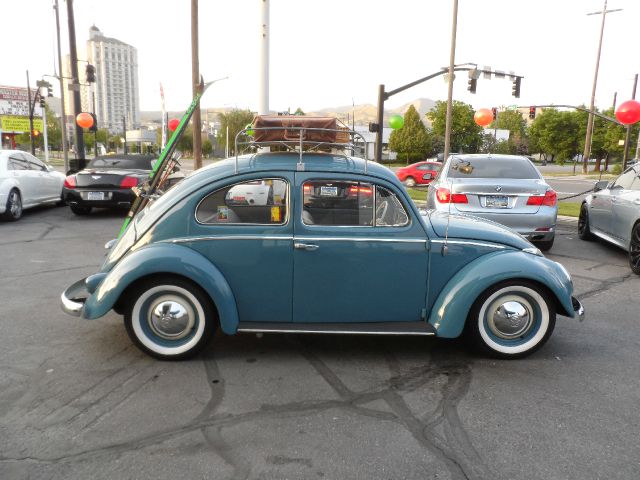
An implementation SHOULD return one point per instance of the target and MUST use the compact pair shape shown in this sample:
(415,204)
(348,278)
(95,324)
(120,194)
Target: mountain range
(363,113)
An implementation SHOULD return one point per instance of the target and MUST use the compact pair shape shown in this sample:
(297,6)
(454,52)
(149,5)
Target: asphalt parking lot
(78,400)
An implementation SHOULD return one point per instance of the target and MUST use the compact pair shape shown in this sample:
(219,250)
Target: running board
(371,328)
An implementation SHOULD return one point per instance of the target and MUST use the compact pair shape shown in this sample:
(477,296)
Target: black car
(107,182)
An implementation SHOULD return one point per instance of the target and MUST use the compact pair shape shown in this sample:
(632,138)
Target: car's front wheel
(584,232)
(169,318)
(13,210)
(511,319)
(634,249)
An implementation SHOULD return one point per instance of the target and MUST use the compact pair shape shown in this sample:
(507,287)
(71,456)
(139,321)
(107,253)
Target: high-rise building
(116,87)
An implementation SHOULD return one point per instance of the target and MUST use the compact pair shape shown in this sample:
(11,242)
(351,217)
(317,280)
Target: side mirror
(601,185)
(428,176)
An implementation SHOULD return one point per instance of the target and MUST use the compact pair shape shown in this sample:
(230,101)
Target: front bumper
(578,309)
(73,298)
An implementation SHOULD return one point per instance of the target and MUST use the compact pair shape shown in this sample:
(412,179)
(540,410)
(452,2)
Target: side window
(351,203)
(636,180)
(18,163)
(337,203)
(258,202)
(35,164)
(389,209)
(625,180)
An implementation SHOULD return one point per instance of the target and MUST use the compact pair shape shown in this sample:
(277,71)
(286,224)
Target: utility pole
(627,137)
(587,141)
(452,58)
(65,147)
(195,78)
(263,99)
(31,107)
(75,85)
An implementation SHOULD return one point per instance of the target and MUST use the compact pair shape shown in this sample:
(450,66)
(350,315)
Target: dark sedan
(107,182)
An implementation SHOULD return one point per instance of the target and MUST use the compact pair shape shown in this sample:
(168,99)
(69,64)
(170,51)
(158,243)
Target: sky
(333,53)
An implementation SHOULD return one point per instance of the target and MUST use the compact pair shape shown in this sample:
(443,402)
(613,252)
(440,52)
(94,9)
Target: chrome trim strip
(465,242)
(291,237)
(228,237)
(340,332)
(362,239)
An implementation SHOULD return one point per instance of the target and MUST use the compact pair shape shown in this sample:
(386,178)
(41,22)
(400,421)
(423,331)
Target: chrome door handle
(305,246)
(613,200)
(637,201)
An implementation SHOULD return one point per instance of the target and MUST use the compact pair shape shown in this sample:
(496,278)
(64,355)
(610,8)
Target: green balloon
(396,122)
(249,130)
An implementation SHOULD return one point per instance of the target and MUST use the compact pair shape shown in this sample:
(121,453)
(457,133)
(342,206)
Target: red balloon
(628,112)
(483,117)
(84,120)
(173,124)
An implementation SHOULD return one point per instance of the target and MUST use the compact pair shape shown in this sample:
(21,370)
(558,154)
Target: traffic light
(494,111)
(532,112)
(49,90)
(373,127)
(94,127)
(91,73)
(36,133)
(42,102)
(472,84)
(515,89)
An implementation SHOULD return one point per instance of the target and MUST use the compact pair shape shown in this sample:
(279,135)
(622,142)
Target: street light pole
(196,86)
(587,141)
(65,147)
(452,58)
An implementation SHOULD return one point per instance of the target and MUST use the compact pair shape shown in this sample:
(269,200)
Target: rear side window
(488,167)
(130,163)
(350,203)
(16,163)
(258,202)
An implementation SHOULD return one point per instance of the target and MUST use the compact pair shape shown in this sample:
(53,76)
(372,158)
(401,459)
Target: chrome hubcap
(171,318)
(510,319)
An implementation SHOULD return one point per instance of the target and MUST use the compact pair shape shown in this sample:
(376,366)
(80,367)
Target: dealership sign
(18,124)
(15,101)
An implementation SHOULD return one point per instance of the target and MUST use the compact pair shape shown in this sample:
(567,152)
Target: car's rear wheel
(584,231)
(80,210)
(511,319)
(409,182)
(634,249)
(169,318)
(13,210)
(545,245)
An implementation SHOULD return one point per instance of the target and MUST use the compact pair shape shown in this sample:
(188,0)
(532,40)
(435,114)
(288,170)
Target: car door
(359,253)
(250,243)
(625,205)
(610,201)
(26,178)
(48,185)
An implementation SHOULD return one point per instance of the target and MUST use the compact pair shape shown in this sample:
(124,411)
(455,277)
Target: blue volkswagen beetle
(318,242)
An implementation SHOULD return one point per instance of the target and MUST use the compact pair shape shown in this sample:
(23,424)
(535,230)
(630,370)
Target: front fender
(165,258)
(451,308)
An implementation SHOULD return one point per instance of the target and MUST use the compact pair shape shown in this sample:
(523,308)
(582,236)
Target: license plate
(328,191)
(496,201)
(95,195)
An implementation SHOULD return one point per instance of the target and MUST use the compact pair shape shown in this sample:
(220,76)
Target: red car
(413,174)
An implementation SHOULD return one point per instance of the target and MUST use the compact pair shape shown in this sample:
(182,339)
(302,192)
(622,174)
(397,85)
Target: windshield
(492,167)
(142,162)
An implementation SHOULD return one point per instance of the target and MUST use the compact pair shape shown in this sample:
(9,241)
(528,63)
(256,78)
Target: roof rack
(298,133)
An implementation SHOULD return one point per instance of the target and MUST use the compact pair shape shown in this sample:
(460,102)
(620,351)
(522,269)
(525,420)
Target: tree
(412,141)
(299,112)
(466,134)
(236,120)
(557,134)
(207,147)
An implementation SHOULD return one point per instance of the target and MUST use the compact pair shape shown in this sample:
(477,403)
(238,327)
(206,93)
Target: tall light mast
(263,101)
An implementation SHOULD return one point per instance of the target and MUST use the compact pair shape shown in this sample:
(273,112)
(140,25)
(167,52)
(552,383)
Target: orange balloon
(483,117)
(84,120)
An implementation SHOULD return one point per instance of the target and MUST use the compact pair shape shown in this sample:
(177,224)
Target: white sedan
(26,182)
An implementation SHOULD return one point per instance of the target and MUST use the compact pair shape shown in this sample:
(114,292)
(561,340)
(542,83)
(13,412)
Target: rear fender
(451,308)
(165,258)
